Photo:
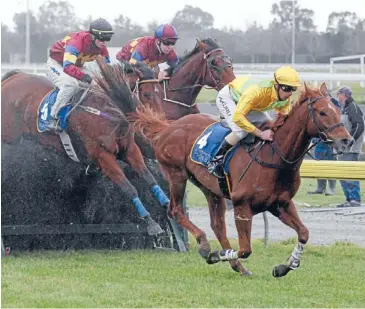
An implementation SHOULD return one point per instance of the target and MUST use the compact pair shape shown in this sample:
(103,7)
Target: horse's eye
(322,113)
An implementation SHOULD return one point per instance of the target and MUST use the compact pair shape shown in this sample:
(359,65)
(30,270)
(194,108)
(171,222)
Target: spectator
(353,119)
(323,151)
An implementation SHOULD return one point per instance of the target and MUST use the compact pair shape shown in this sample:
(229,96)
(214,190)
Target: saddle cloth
(44,111)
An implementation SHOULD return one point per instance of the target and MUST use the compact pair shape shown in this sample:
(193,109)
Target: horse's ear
(202,45)
(138,72)
(323,89)
(308,90)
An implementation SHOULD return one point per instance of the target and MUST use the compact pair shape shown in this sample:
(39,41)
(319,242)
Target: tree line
(344,35)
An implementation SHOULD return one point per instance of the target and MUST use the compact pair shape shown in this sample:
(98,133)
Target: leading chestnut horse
(271,171)
(98,127)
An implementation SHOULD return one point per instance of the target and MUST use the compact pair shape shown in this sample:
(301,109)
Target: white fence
(310,72)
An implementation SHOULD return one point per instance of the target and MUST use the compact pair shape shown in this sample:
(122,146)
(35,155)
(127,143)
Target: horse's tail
(148,123)
(10,74)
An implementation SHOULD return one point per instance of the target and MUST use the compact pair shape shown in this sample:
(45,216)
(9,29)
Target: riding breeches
(68,86)
(227,106)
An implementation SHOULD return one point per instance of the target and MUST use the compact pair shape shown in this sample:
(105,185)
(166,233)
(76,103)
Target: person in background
(353,120)
(323,151)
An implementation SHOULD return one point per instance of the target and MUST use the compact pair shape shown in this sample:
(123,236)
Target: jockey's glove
(86,79)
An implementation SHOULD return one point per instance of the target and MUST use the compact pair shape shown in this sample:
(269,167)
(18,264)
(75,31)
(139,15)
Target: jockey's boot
(54,126)
(215,166)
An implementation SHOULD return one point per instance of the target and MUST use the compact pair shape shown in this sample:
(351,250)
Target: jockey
(67,57)
(153,50)
(244,102)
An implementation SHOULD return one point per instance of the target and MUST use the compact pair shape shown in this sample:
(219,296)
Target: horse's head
(144,84)
(324,118)
(214,66)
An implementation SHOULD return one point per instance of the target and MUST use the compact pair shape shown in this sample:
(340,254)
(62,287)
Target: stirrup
(54,126)
(214,168)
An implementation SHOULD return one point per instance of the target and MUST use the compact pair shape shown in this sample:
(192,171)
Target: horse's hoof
(154,229)
(204,250)
(213,257)
(245,273)
(237,267)
(280,270)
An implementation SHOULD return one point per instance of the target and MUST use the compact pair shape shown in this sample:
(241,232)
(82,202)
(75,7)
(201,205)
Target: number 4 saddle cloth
(206,146)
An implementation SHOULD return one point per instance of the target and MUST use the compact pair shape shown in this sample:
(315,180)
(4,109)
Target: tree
(193,18)
(20,32)
(343,22)
(125,30)
(58,18)
(7,49)
(283,17)
(151,27)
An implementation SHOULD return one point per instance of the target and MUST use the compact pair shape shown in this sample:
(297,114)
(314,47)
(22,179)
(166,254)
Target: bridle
(139,82)
(293,165)
(209,67)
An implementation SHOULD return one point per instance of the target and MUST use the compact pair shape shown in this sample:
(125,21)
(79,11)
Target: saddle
(44,117)
(207,144)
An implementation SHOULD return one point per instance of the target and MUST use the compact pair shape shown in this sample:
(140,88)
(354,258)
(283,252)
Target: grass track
(328,277)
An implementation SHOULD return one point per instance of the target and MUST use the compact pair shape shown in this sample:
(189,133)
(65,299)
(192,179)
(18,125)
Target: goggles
(287,88)
(168,43)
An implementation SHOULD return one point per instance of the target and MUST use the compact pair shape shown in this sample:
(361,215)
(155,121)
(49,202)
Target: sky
(234,13)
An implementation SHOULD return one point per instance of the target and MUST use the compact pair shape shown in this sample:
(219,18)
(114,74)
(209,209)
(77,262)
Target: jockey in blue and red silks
(67,57)
(153,50)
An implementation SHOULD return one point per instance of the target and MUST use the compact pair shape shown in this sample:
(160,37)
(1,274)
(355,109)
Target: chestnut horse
(271,177)
(99,139)
(205,65)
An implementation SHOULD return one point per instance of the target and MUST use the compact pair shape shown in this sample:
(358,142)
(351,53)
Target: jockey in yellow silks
(244,103)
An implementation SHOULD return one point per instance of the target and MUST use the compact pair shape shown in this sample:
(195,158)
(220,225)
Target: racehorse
(270,172)
(98,126)
(205,65)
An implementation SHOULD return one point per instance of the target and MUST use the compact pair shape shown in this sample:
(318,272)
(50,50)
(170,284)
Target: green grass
(209,95)
(328,277)
(195,197)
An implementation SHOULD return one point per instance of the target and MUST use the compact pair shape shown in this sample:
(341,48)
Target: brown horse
(100,137)
(205,65)
(271,171)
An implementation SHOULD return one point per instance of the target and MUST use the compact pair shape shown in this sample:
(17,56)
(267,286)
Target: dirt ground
(325,227)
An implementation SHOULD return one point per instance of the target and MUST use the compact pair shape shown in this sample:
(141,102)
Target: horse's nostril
(351,143)
(345,141)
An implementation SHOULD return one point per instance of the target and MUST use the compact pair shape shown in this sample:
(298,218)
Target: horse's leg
(135,159)
(177,179)
(243,219)
(289,216)
(111,169)
(217,210)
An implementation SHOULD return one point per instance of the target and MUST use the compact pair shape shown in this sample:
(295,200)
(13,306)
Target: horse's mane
(113,84)
(10,74)
(210,42)
(146,71)
(280,119)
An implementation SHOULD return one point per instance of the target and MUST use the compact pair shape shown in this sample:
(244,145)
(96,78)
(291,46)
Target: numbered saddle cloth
(207,144)
(44,111)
